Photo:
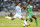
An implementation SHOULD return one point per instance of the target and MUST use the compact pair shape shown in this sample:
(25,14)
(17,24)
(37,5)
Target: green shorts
(29,15)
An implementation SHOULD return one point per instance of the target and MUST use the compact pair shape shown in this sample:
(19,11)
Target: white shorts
(17,15)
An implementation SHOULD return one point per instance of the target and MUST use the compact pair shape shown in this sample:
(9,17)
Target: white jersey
(18,10)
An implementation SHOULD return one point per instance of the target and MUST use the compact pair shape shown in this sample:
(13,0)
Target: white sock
(9,18)
(25,22)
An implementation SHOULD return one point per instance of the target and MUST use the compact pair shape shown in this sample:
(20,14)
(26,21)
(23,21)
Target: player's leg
(25,23)
(12,18)
(9,17)
(35,19)
(29,17)
(23,20)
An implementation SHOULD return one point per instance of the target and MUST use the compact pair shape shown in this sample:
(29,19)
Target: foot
(6,16)
(27,25)
(24,25)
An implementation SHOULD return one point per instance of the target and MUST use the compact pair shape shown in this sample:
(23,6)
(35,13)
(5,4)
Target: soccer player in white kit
(18,14)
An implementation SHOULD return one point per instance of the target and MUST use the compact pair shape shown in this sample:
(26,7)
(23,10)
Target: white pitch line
(12,23)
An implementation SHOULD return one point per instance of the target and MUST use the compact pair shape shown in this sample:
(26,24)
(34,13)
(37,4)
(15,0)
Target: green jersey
(29,8)
(30,14)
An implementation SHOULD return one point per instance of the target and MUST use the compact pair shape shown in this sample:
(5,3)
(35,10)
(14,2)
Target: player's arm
(22,7)
(15,11)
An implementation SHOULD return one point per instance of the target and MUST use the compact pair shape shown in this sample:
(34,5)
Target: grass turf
(17,22)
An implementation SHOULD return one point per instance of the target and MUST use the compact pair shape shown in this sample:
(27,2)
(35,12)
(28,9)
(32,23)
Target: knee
(31,19)
(35,18)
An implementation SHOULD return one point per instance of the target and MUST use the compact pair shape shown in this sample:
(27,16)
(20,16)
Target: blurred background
(8,6)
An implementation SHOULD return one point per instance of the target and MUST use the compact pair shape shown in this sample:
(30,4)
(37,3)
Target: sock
(28,19)
(9,18)
(25,22)
(36,22)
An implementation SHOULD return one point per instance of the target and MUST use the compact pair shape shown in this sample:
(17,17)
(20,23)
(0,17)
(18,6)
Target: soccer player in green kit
(30,15)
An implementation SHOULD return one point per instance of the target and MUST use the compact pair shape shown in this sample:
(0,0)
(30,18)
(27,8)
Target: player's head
(30,3)
(19,3)
(22,5)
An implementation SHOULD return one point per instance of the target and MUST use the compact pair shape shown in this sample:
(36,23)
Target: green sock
(36,22)
(28,19)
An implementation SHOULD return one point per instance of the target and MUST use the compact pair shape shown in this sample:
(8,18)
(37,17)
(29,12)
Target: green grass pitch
(17,22)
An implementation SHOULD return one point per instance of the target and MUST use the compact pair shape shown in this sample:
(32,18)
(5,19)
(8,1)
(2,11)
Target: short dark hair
(19,2)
